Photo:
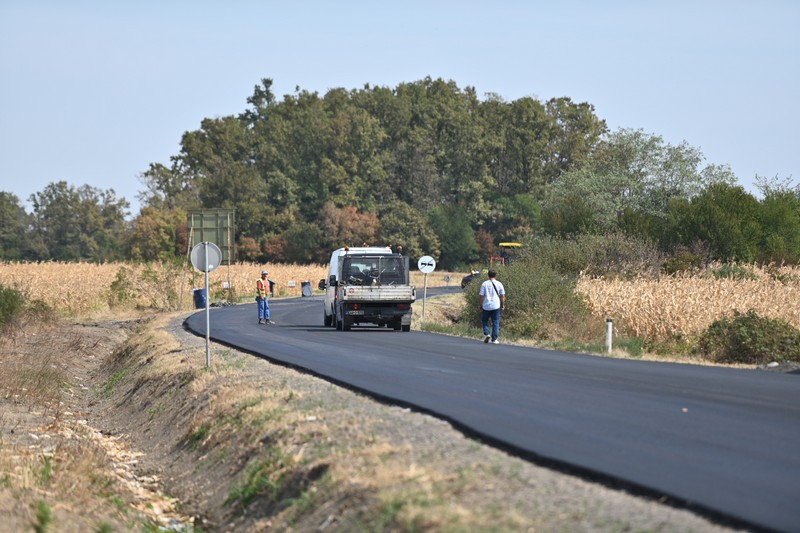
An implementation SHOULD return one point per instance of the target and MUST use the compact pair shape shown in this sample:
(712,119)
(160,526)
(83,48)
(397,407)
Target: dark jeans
(495,317)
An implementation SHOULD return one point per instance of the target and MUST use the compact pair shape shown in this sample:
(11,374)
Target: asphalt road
(722,441)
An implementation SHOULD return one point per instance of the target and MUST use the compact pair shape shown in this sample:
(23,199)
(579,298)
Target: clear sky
(92,91)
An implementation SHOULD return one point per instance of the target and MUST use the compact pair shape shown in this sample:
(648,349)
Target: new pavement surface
(723,441)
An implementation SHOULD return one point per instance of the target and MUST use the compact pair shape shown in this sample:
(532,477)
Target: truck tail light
(403,306)
(355,306)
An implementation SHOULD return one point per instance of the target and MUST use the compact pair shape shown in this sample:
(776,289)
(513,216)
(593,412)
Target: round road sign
(426,264)
(206,256)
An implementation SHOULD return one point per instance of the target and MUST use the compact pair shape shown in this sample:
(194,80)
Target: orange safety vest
(262,287)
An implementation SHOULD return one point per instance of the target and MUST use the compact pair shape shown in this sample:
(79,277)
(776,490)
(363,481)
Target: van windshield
(375,270)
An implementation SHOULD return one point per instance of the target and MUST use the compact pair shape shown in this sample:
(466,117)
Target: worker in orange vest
(262,298)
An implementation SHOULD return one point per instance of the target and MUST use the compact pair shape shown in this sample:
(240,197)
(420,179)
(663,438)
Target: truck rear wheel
(328,320)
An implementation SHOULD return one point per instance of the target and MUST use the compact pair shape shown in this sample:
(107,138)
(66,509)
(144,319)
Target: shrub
(541,303)
(683,261)
(614,254)
(750,339)
(734,271)
(12,304)
(121,293)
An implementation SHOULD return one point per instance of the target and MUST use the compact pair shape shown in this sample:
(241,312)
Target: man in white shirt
(493,300)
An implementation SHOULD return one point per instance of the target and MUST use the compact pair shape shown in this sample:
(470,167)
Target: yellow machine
(505,254)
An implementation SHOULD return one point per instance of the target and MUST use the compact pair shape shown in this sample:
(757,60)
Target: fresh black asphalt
(725,442)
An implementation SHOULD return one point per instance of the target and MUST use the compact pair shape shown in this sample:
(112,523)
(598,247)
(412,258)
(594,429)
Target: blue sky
(91,91)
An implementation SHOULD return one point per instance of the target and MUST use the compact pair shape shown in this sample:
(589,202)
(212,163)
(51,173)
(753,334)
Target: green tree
(13,227)
(452,226)
(779,216)
(402,224)
(78,224)
(220,155)
(574,132)
(725,217)
(515,140)
(304,244)
(648,172)
(585,201)
(158,234)
(168,188)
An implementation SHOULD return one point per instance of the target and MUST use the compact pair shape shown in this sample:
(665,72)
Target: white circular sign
(426,264)
(206,256)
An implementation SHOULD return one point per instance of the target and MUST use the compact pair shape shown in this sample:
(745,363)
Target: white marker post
(206,256)
(426,265)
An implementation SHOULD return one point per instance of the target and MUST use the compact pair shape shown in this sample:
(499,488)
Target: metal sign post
(426,265)
(206,256)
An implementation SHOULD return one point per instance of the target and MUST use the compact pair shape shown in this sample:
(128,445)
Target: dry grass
(679,306)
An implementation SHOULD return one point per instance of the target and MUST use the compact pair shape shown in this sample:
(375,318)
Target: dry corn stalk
(81,289)
(679,306)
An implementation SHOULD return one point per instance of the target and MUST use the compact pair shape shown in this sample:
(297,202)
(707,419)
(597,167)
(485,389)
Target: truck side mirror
(332,281)
(321,285)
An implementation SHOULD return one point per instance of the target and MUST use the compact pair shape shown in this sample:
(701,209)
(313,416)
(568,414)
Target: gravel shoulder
(252,446)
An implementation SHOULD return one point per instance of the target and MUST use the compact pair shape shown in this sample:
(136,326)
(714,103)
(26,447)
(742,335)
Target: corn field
(649,308)
(84,289)
(80,289)
(679,306)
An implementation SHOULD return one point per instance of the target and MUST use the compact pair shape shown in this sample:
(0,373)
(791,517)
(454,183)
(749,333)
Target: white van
(367,285)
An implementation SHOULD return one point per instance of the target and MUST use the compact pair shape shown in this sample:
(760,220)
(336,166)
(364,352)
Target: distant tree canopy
(425,164)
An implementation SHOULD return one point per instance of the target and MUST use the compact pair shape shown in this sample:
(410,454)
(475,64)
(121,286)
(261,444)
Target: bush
(613,254)
(735,272)
(122,293)
(750,339)
(12,304)
(683,261)
(541,303)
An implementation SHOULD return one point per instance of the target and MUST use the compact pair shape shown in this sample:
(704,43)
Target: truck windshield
(375,270)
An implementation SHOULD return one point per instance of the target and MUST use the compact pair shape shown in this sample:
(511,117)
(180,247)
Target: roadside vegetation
(562,291)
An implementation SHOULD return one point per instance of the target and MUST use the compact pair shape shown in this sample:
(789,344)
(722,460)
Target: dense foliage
(12,303)
(540,282)
(425,164)
(750,339)
(541,303)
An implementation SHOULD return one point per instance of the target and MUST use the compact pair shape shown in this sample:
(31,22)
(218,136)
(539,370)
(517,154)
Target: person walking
(493,300)
(262,298)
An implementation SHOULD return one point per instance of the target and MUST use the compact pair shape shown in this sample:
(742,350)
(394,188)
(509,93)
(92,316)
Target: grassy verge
(443,315)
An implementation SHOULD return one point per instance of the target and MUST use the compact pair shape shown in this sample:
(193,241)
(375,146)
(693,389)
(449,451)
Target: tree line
(426,165)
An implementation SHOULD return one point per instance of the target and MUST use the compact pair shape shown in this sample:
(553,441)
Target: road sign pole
(208,317)
(206,256)
(426,265)
(424,296)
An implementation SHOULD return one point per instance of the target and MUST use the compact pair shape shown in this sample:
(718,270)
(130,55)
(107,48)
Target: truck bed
(383,293)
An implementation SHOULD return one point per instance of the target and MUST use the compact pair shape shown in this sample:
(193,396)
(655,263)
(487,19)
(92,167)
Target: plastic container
(199,298)
(305,288)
